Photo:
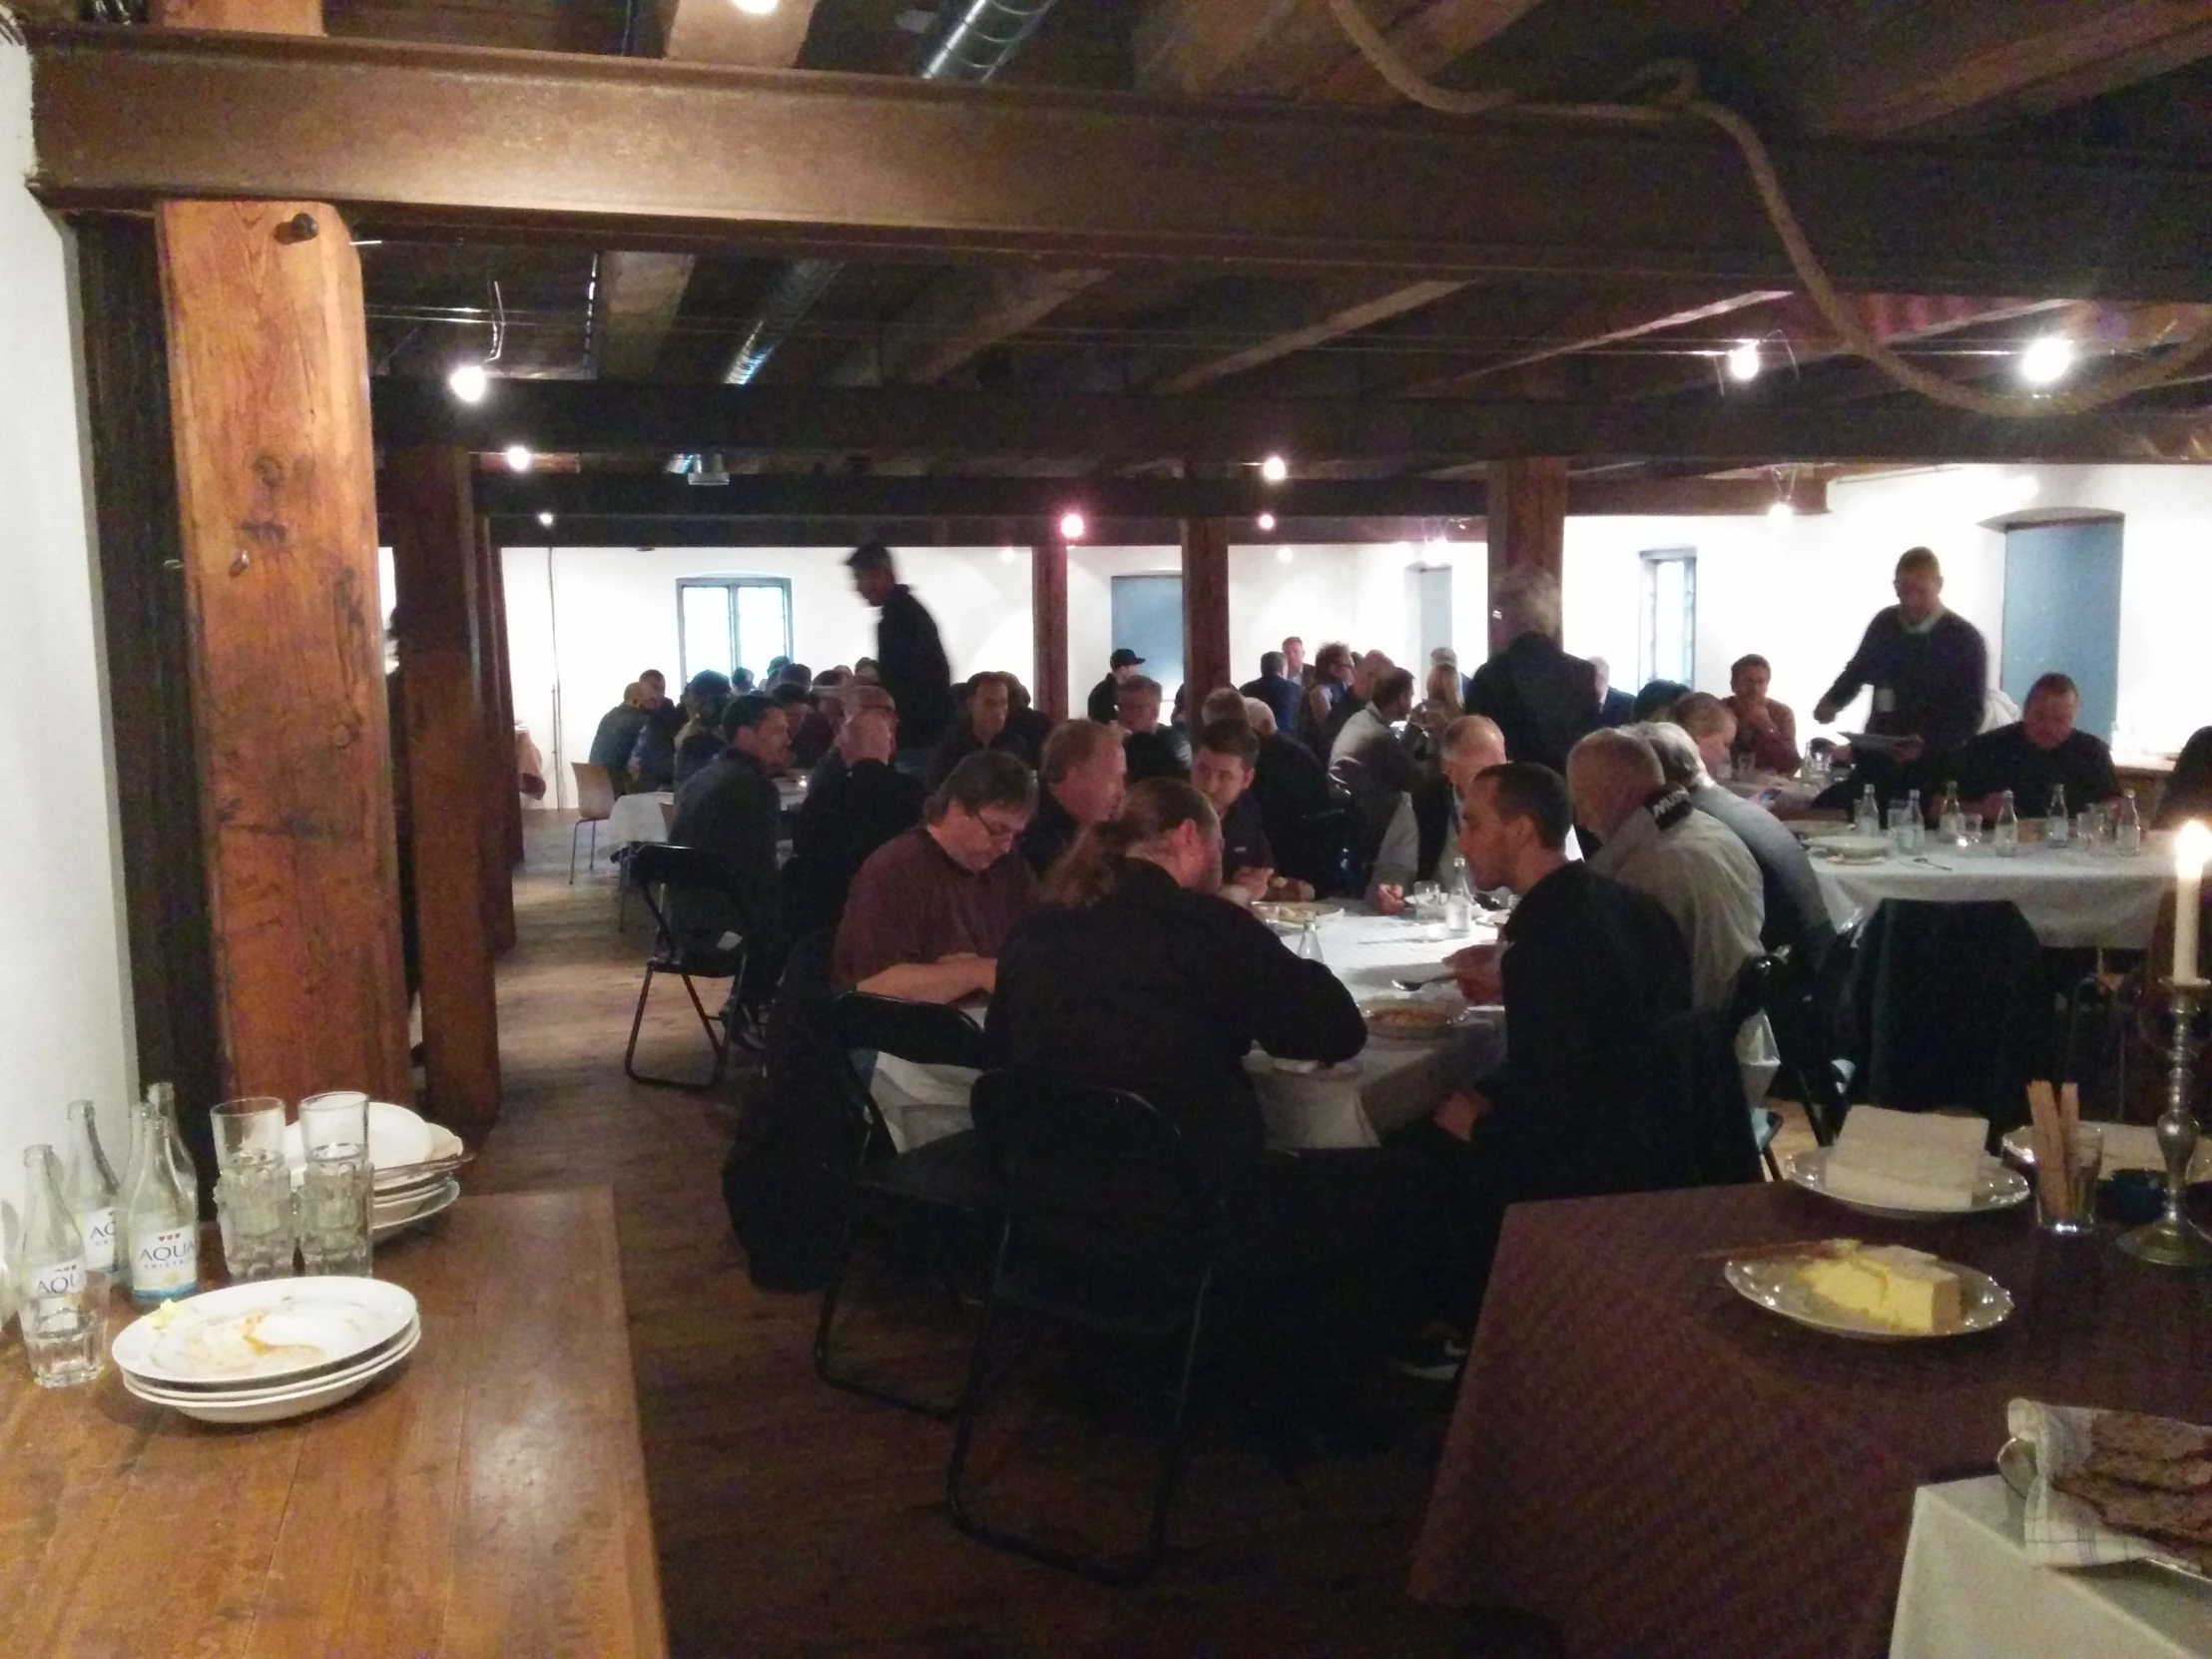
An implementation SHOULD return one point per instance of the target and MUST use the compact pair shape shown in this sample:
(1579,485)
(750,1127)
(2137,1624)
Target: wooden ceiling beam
(1960,65)
(956,319)
(1360,308)
(1609,320)
(575,146)
(946,424)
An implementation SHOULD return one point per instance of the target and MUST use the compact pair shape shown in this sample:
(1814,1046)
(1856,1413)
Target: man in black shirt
(1543,700)
(909,658)
(1150,750)
(2037,753)
(1292,790)
(984,724)
(732,810)
(1079,782)
(1221,771)
(1929,672)
(1588,970)
(846,819)
(653,754)
(1106,695)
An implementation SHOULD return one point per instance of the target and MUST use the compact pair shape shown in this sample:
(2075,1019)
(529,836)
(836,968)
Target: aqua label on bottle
(166,1264)
(98,1228)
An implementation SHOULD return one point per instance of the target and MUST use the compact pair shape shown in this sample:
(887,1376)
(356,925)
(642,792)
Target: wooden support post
(269,380)
(1048,618)
(1205,608)
(434,556)
(1527,515)
(496,777)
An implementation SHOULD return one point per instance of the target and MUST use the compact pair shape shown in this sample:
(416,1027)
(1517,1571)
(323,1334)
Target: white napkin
(1907,1159)
(2060,1531)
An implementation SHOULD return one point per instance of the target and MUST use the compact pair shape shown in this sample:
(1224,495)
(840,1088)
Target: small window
(1667,645)
(730,622)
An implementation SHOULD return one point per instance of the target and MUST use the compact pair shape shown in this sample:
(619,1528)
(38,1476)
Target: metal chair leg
(637,1022)
(826,1369)
(573,830)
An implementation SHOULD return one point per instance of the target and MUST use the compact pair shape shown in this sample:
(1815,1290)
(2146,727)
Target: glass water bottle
(161,1210)
(62,1302)
(90,1186)
(2058,827)
(2006,837)
(2127,826)
(1950,820)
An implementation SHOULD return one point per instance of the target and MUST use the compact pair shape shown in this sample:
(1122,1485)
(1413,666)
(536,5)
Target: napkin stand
(2172,1241)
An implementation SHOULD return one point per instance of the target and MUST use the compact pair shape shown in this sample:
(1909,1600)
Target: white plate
(172,1393)
(293,1404)
(395,1135)
(255,1333)
(1852,849)
(382,1224)
(1771,1282)
(1451,1017)
(1999,1189)
(1296,912)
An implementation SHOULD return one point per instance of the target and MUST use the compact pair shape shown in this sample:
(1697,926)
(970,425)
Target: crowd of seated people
(1090,880)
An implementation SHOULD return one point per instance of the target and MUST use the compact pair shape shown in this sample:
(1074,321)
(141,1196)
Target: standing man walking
(909,658)
(1929,669)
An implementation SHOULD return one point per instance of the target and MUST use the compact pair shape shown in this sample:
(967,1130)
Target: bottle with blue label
(89,1186)
(161,1210)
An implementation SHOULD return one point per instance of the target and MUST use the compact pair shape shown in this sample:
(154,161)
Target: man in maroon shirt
(931,909)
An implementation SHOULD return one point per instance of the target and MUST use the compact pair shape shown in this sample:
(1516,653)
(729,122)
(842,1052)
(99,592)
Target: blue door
(1148,619)
(2062,614)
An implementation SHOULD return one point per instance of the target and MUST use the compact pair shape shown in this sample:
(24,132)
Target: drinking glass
(252,1195)
(1970,829)
(2076,1214)
(64,1323)
(334,1193)
(1426,902)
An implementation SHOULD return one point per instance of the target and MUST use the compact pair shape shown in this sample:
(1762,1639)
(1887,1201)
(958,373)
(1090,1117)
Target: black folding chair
(1105,1232)
(665,874)
(1757,984)
(939,1189)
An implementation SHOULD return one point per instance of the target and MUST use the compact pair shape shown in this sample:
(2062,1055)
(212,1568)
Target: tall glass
(335,1190)
(252,1195)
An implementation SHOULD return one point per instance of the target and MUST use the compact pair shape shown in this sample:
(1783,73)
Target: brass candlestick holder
(2172,1241)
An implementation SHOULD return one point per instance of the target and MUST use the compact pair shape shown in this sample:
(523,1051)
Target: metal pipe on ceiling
(982,39)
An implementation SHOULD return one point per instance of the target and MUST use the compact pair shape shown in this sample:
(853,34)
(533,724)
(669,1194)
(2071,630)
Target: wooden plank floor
(793,1518)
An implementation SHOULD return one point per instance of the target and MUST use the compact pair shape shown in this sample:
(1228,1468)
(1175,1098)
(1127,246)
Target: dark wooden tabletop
(487,1498)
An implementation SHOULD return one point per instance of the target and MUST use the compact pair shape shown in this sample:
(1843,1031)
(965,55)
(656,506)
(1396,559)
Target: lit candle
(2192,847)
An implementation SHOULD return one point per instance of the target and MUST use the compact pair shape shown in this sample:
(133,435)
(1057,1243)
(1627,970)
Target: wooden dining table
(486,1497)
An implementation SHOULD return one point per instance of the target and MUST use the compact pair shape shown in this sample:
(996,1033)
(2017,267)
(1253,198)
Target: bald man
(1420,842)
(1654,842)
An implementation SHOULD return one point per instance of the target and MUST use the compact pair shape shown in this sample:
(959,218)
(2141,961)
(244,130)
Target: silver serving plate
(1999,1189)
(2016,1462)
(1771,1282)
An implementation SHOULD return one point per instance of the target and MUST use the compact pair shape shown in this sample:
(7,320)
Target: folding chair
(1104,1232)
(941,1187)
(664,873)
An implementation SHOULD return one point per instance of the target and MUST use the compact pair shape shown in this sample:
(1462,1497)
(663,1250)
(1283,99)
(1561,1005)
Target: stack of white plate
(264,1351)
(400,1144)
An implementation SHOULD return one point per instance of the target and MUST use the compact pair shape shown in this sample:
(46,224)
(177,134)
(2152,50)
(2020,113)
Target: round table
(2073,898)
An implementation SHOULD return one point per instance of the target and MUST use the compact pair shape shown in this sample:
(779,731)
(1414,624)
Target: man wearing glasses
(931,909)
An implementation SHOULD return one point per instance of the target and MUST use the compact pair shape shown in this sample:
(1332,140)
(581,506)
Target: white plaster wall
(1798,593)
(65,1011)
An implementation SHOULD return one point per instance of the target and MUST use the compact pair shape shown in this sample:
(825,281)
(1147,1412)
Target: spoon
(1416,985)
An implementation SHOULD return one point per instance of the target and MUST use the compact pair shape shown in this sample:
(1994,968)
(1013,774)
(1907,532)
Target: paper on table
(2061,1531)
(1907,1159)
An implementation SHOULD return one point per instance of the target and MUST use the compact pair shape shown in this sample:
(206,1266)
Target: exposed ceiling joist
(946,424)
(955,319)
(1357,310)
(1877,72)
(576,145)
(641,293)
(1607,322)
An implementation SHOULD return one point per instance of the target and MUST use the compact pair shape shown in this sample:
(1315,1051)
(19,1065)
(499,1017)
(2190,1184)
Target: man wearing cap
(1106,695)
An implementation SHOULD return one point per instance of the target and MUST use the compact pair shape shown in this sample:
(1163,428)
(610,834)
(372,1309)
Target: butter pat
(1905,1289)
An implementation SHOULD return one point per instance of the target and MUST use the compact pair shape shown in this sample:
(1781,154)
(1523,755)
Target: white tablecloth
(1970,1592)
(1389,1085)
(2072,897)
(638,817)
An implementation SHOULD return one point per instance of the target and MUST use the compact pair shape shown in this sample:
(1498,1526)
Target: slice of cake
(1905,1289)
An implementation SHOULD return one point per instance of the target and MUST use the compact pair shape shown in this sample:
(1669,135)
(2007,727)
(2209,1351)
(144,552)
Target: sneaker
(1435,1354)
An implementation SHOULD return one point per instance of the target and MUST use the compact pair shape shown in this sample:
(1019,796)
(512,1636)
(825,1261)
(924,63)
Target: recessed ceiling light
(1266,521)
(2047,361)
(1275,469)
(546,519)
(755,8)
(468,383)
(519,458)
(1072,526)
(1743,361)
(1781,513)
